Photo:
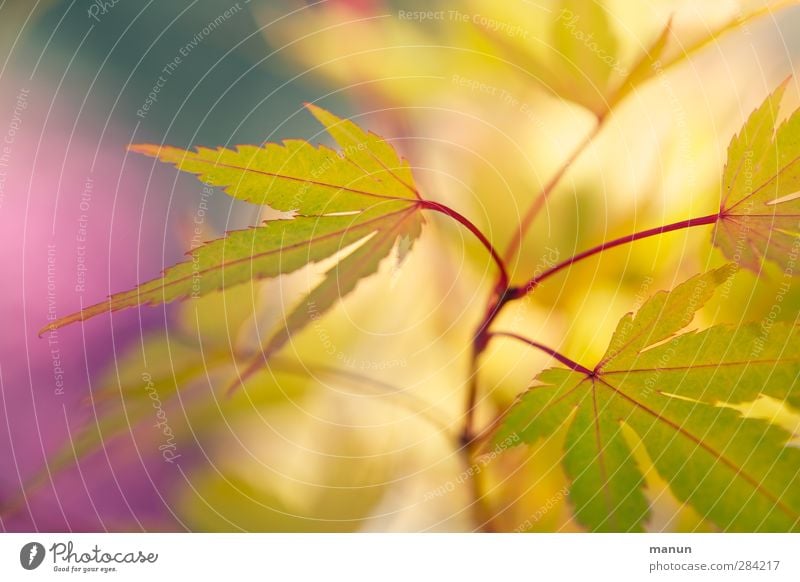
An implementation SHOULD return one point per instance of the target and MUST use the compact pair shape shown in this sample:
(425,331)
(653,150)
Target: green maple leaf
(364,195)
(667,389)
(760,209)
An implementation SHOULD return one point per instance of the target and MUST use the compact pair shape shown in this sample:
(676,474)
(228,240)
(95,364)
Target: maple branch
(480,340)
(481,510)
(447,211)
(469,445)
(569,363)
(540,199)
(506,294)
(467,433)
(517,292)
(503,292)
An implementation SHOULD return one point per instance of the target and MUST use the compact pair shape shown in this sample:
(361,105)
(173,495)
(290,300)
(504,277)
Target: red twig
(534,281)
(447,211)
(569,363)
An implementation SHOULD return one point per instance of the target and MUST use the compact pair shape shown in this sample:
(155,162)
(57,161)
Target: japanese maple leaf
(667,393)
(357,203)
